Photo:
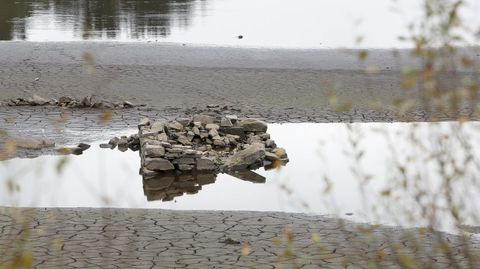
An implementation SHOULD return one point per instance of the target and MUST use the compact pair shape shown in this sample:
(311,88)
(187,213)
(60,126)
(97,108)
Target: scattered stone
(70,150)
(264,136)
(37,100)
(213,133)
(203,119)
(114,142)
(122,142)
(87,102)
(239,131)
(184,121)
(175,125)
(232,118)
(253,125)
(196,131)
(204,164)
(219,143)
(270,143)
(280,152)
(184,160)
(67,101)
(154,151)
(225,122)
(106,146)
(212,126)
(157,127)
(163,137)
(83,146)
(144,122)
(230,241)
(158,164)
(127,104)
(243,159)
(185,167)
(184,140)
(271,156)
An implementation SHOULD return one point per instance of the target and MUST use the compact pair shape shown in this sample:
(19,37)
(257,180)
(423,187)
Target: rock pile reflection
(166,186)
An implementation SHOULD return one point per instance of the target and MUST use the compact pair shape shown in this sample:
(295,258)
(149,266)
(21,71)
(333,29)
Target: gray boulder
(143,122)
(204,119)
(232,118)
(37,100)
(225,122)
(158,165)
(154,151)
(242,159)
(253,125)
(204,164)
(157,127)
(211,126)
(175,125)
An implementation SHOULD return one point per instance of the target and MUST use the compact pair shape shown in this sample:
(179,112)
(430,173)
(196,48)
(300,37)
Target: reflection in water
(265,23)
(95,19)
(317,152)
(167,186)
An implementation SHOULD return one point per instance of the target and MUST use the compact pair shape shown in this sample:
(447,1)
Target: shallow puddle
(328,163)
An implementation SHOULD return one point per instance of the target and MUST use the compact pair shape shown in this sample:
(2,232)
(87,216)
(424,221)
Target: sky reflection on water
(105,178)
(264,23)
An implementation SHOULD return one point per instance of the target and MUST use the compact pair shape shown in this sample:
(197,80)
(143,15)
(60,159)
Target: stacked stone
(67,101)
(124,143)
(177,156)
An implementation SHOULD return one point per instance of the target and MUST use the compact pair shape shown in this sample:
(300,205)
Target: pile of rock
(176,154)
(67,101)
(124,143)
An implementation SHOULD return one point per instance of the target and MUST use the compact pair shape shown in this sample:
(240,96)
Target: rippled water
(109,178)
(262,23)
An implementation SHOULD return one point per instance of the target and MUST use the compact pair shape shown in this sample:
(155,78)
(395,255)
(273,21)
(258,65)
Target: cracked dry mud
(124,238)
(277,86)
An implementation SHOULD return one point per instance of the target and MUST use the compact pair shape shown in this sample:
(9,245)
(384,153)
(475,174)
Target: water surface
(262,23)
(322,156)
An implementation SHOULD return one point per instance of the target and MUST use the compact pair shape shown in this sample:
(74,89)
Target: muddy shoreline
(279,85)
(174,81)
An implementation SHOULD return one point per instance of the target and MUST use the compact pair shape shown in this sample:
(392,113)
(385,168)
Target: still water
(324,175)
(261,23)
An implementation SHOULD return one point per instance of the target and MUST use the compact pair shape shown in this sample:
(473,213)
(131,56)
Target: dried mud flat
(124,238)
(177,82)
(274,84)
(173,81)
